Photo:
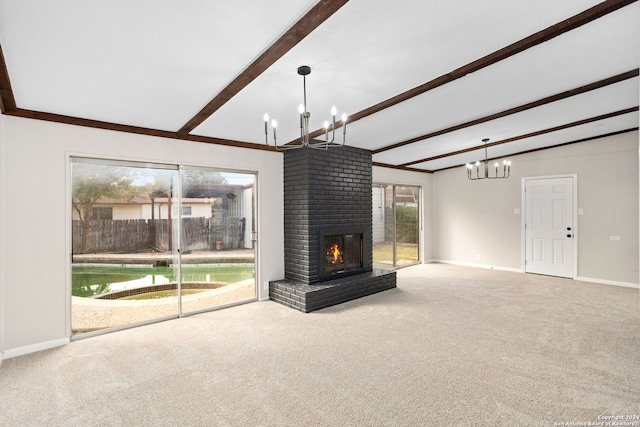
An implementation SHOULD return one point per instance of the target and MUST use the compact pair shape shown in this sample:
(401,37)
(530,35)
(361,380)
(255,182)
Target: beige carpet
(450,346)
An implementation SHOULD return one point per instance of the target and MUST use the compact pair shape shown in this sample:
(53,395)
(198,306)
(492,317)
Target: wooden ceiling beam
(550,99)
(389,166)
(301,29)
(7,100)
(97,124)
(528,135)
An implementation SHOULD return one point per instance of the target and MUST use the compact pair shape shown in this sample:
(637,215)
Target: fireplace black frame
(322,275)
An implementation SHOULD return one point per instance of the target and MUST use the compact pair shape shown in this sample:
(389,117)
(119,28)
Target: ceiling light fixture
(305,141)
(506,167)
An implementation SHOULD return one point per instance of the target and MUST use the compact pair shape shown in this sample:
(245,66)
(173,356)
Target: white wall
(477,217)
(2,234)
(35,218)
(423,180)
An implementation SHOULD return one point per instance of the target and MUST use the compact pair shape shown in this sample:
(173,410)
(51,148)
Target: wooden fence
(121,236)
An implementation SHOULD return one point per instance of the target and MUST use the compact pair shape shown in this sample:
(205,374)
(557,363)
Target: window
(102,213)
(186,211)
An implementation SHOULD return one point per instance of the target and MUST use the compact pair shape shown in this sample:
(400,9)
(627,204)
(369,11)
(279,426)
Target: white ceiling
(155,64)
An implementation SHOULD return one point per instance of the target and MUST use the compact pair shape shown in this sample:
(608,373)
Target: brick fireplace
(327,230)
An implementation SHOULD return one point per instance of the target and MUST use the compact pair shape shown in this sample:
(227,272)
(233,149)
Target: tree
(90,183)
(198,177)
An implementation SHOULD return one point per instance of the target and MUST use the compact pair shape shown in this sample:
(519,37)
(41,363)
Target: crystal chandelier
(506,167)
(305,140)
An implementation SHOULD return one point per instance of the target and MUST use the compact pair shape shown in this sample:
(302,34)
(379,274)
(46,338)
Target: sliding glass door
(124,240)
(396,225)
(217,222)
(152,242)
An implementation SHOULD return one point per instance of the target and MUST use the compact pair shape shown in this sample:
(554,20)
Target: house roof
(147,201)
(422,82)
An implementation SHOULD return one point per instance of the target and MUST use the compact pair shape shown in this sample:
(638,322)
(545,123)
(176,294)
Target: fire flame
(334,251)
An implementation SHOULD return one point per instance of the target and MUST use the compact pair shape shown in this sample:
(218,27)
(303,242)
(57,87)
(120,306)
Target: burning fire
(334,251)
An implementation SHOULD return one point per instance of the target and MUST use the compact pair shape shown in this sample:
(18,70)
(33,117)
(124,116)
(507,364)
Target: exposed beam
(533,150)
(542,36)
(309,22)
(528,135)
(58,118)
(387,165)
(7,100)
(553,98)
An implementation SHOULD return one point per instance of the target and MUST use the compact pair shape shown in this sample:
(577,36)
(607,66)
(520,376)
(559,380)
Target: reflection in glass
(396,225)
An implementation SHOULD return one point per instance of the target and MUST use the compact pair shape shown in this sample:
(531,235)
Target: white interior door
(549,227)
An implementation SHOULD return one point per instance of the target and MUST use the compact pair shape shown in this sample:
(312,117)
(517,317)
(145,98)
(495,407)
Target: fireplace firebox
(341,254)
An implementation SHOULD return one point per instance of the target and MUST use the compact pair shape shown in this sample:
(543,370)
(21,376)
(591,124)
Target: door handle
(568,228)
(569,235)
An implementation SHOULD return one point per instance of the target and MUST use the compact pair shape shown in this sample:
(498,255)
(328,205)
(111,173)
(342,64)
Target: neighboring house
(217,201)
(141,208)
(405,197)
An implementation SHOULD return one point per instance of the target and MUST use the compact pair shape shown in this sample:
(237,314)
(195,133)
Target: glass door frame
(420,228)
(176,234)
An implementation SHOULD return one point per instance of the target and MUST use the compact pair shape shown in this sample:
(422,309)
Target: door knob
(569,235)
(568,228)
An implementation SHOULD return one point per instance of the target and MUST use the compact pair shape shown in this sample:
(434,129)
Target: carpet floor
(450,346)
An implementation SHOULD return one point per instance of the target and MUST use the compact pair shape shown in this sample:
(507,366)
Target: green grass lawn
(406,252)
(89,280)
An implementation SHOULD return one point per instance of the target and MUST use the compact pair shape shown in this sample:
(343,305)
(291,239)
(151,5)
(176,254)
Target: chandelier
(506,167)
(305,140)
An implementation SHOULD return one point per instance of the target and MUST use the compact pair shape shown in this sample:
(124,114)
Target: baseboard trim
(608,282)
(485,266)
(21,351)
(515,270)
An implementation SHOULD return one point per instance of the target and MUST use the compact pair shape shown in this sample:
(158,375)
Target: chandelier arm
(319,144)
(266,136)
(275,145)
(322,144)
(344,130)
(323,147)
(280,147)
(333,131)
(288,147)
